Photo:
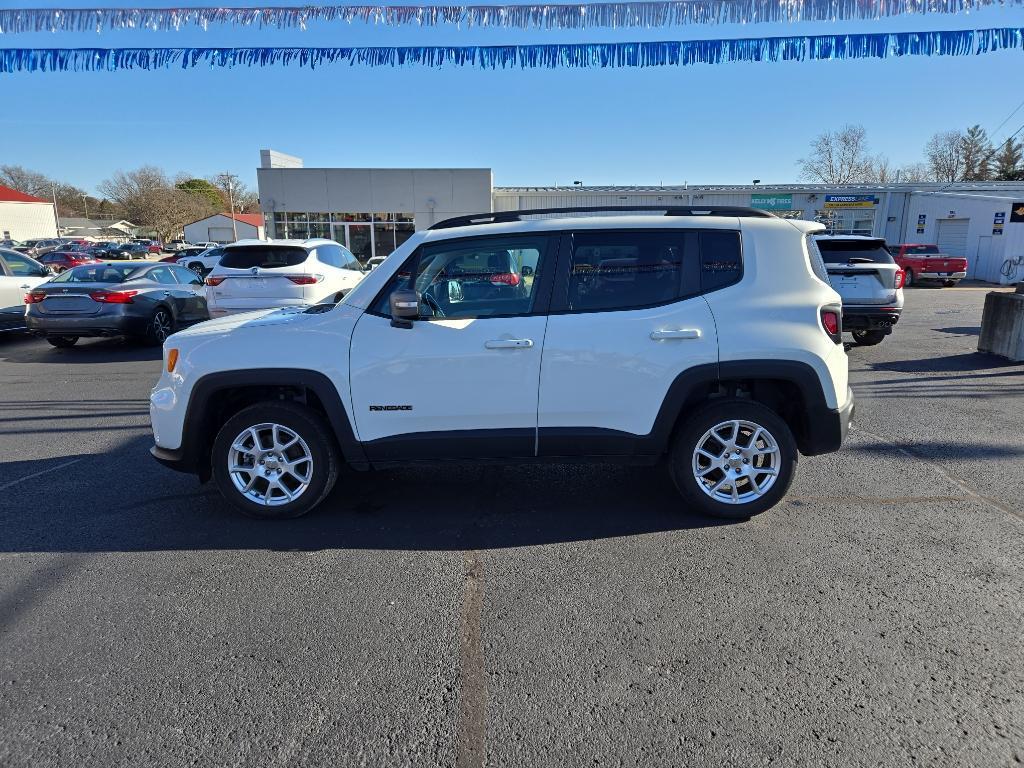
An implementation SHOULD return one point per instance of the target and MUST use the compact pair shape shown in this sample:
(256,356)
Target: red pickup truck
(924,263)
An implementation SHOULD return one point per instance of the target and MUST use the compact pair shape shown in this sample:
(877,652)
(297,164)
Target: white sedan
(18,275)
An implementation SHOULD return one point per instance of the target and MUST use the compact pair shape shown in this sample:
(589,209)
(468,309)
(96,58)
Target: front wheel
(274,460)
(733,459)
(868,338)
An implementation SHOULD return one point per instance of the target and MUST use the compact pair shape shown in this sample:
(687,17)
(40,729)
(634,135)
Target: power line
(991,154)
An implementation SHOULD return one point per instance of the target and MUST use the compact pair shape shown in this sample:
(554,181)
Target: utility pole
(56,216)
(85,202)
(231,204)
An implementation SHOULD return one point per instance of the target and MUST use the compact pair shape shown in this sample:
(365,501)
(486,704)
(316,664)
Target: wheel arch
(216,397)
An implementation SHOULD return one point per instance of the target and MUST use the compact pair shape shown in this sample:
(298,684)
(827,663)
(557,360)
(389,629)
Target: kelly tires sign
(772,202)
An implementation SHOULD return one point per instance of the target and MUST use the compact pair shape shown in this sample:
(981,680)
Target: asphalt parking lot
(541,616)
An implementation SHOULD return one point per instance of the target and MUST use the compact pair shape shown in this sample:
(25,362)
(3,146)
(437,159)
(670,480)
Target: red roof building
(8,195)
(24,217)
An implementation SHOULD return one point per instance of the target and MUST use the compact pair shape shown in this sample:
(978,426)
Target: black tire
(908,278)
(868,338)
(693,431)
(62,342)
(160,326)
(949,283)
(309,426)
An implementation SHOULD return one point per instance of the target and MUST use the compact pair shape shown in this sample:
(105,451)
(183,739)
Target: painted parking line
(5,486)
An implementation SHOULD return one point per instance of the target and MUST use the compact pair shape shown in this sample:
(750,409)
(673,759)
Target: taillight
(901,277)
(304,279)
(34,297)
(214,280)
(113,297)
(832,322)
(505,278)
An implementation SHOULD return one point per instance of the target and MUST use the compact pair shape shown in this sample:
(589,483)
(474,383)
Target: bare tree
(148,198)
(881,170)
(838,157)
(914,173)
(71,201)
(945,156)
(246,200)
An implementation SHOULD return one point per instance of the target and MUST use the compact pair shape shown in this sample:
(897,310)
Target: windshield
(854,251)
(263,256)
(101,273)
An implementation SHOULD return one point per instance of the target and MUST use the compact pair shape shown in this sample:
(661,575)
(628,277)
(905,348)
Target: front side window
(22,266)
(625,269)
(482,277)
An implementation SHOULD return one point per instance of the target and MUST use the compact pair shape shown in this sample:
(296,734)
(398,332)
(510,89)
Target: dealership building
(374,210)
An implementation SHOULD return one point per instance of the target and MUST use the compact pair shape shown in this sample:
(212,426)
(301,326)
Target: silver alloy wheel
(161,325)
(270,464)
(736,462)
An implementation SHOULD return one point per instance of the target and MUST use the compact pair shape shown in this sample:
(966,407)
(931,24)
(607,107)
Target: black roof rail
(499,217)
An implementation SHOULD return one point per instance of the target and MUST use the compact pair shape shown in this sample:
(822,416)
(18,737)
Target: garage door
(952,239)
(222,234)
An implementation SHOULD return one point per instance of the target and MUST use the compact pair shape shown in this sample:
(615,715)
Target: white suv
(264,274)
(710,337)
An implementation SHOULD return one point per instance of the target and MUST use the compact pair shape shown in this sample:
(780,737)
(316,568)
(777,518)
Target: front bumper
(175,460)
(868,318)
(826,428)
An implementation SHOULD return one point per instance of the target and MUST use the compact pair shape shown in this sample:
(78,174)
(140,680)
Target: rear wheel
(949,283)
(161,325)
(274,460)
(868,338)
(733,459)
(908,280)
(62,342)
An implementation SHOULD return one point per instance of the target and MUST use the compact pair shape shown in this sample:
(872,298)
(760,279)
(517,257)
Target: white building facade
(23,217)
(373,210)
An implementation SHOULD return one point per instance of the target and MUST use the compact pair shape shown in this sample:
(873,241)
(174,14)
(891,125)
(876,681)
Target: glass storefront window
(297,218)
(320,230)
(318,217)
(298,231)
(404,217)
(383,239)
(279,218)
(403,232)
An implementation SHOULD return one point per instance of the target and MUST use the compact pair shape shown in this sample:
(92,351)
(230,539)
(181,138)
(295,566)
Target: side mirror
(405,307)
(526,271)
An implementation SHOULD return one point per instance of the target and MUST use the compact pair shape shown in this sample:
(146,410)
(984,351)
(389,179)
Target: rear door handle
(509,343)
(679,333)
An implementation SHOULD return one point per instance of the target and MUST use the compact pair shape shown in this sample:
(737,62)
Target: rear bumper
(95,325)
(867,318)
(827,427)
(941,275)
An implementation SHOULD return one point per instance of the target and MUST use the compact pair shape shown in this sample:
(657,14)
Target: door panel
(612,370)
(443,376)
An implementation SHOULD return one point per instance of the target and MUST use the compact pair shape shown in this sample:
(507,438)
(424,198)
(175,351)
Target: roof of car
(312,242)
(847,237)
(631,221)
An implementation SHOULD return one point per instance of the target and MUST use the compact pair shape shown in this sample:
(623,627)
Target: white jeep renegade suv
(710,337)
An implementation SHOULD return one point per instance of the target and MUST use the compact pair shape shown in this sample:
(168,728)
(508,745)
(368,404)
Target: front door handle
(678,333)
(509,344)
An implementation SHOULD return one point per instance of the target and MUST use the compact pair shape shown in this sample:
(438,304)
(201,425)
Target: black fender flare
(196,439)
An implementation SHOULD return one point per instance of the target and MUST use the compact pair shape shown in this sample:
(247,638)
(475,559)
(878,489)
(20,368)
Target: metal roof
(926,186)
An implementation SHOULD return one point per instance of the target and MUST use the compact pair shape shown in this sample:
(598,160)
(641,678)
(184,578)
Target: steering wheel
(432,303)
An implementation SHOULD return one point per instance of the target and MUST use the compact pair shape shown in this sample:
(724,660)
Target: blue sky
(703,124)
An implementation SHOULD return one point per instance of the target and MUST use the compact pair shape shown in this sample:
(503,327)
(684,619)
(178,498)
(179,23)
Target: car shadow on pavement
(961,330)
(124,501)
(940,449)
(966,362)
(86,351)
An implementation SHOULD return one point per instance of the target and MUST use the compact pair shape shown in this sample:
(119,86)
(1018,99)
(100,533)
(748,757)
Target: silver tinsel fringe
(654,54)
(626,14)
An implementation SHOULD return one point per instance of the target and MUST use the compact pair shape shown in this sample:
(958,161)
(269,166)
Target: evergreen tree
(1008,162)
(977,150)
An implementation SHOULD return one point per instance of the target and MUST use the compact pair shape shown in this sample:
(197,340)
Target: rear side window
(337,256)
(854,252)
(263,256)
(625,269)
(721,259)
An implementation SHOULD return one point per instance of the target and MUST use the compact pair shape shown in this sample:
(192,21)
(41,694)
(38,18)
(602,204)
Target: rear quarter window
(721,259)
(263,256)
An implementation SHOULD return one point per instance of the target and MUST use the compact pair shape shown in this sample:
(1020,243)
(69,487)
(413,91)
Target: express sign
(850,201)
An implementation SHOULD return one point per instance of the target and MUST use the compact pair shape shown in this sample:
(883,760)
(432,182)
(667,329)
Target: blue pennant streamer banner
(654,54)
(626,14)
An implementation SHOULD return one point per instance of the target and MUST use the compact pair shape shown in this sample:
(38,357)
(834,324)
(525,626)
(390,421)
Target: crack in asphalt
(472,725)
(973,494)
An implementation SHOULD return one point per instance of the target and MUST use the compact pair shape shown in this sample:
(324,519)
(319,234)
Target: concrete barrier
(1002,324)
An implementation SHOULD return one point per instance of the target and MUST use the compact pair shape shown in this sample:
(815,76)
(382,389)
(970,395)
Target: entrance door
(985,270)
(462,381)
